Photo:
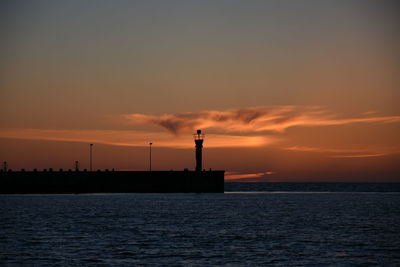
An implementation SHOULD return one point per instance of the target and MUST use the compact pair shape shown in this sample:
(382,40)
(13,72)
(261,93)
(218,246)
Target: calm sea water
(300,227)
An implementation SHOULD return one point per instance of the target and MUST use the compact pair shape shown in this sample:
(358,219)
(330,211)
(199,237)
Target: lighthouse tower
(198,139)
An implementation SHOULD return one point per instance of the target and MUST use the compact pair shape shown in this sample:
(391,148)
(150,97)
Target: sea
(251,224)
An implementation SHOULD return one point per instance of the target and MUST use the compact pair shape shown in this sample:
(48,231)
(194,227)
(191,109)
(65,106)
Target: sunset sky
(284,90)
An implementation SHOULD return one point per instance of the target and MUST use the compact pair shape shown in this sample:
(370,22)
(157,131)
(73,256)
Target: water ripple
(200,229)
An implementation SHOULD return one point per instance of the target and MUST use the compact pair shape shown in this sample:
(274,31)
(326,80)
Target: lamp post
(77,166)
(150,155)
(90,148)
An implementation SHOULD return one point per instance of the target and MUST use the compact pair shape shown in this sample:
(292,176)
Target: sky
(285,91)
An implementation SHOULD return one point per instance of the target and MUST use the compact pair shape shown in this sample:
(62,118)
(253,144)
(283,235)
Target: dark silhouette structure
(56,182)
(198,139)
(77,166)
(150,156)
(66,182)
(90,156)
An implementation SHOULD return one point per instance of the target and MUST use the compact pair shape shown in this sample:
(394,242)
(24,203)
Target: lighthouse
(198,139)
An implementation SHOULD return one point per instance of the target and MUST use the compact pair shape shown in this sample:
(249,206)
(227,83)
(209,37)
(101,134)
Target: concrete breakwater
(58,182)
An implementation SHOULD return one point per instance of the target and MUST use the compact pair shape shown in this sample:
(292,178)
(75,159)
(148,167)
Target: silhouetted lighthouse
(198,139)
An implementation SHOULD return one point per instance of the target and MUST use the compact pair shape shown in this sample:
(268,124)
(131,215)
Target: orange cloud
(323,149)
(243,176)
(360,155)
(345,152)
(255,119)
(228,128)
(135,138)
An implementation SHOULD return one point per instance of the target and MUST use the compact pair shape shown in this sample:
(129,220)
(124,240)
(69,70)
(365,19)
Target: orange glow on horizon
(135,138)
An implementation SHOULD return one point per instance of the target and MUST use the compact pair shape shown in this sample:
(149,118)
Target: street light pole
(91,145)
(150,155)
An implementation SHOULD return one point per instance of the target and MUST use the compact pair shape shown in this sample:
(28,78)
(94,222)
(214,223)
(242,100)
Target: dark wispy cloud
(253,119)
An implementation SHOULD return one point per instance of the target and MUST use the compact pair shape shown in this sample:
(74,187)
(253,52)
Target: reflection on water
(201,229)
